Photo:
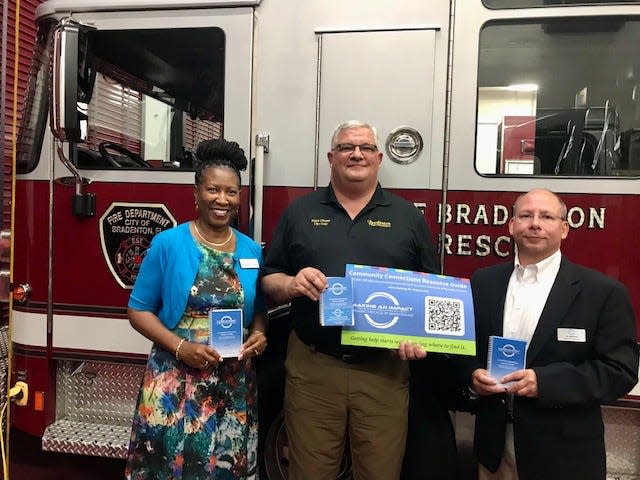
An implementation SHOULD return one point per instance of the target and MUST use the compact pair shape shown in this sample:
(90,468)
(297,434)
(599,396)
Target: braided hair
(219,153)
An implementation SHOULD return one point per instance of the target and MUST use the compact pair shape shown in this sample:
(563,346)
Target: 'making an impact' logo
(226,321)
(382,310)
(337,288)
(508,350)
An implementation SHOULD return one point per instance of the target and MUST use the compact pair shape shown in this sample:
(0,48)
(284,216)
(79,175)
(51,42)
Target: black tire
(276,461)
(270,372)
(275,454)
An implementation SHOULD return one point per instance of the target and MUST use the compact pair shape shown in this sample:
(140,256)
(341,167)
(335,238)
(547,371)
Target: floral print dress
(193,424)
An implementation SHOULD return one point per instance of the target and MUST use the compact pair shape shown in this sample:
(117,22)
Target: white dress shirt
(527,295)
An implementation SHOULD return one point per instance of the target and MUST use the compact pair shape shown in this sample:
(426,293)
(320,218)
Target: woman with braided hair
(196,416)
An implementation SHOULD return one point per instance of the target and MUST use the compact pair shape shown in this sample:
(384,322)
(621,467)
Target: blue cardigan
(170,267)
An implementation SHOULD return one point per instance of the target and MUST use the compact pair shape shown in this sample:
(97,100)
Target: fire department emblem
(126,230)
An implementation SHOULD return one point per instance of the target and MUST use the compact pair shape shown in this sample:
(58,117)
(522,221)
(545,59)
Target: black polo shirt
(315,231)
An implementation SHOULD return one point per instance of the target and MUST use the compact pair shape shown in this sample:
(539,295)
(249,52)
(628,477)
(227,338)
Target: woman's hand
(198,355)
(254,346)
(193,354)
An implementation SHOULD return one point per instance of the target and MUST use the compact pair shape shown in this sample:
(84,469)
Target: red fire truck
(475,102)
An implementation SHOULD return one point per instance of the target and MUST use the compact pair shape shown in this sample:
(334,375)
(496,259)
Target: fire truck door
(204,80)
(166,80)
(385,78)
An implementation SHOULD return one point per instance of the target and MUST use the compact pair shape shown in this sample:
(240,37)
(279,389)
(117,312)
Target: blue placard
(225,331)
(336,303)
(506,355)
(391,306)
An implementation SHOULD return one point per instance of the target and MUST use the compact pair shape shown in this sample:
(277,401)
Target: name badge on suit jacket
(572,335)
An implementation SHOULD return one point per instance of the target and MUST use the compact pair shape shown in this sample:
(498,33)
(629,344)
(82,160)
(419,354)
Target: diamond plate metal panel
(94,408)
(87,439)
(97,392)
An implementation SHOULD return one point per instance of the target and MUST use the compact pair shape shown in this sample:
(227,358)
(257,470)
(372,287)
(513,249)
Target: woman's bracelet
(178,348)
(257,331)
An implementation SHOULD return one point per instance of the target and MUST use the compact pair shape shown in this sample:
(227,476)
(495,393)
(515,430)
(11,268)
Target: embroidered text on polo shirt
(320,222)
(379,223)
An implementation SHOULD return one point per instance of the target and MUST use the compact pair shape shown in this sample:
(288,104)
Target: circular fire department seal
(129,256)
(126,230)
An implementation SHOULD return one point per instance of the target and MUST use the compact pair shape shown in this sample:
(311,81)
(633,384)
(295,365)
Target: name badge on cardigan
(249,263)
(572,335)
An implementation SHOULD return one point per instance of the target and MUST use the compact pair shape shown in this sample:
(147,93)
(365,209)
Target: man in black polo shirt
(333,389)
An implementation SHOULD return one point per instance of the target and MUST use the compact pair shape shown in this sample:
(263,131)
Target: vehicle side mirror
(73,77)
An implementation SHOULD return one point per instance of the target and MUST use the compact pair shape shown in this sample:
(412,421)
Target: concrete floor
(29,462)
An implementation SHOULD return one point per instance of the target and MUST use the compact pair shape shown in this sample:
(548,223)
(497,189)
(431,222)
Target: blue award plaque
(336,303)
(225,331)
(505,355)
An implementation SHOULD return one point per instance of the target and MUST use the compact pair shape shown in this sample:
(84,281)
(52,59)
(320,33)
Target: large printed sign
(126,230)
(391,306)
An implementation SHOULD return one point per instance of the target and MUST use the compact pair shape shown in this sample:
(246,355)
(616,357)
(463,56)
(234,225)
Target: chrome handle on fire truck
(5,285)
(5,258)
(404,145)
(262,147)
(5,245)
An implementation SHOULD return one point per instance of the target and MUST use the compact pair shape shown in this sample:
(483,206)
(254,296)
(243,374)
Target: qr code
(444,316)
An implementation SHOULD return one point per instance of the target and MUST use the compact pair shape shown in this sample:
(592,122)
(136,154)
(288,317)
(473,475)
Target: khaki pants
(326,399)
(507,469)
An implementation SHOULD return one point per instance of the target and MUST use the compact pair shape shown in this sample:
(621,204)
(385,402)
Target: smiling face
(218,197)
(538,226)
(356,166)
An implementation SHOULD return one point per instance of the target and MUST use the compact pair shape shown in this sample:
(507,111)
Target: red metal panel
(477,229)
(275,200)
(81,275)
(31,237)
(77,241)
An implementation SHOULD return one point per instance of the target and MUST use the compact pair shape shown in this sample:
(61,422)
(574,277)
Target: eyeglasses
(527,217)
(365,148)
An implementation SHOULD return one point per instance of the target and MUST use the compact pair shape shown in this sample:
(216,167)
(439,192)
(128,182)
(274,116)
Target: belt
(351,356)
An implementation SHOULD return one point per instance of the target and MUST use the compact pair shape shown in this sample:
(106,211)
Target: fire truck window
(497,4)
(157,94)
(559,98)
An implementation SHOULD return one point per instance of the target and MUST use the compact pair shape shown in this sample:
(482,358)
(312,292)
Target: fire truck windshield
(157,94)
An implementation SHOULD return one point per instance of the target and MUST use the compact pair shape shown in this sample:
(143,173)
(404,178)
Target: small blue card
(225,331)
(336,303)
(506,355)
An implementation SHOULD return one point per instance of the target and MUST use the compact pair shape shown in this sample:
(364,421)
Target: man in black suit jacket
(582,353)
